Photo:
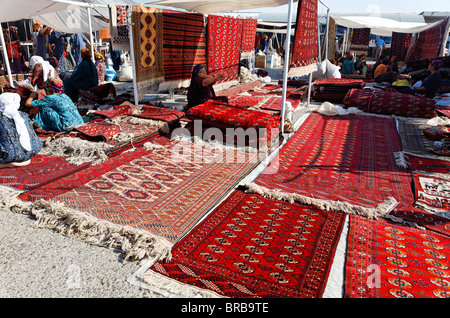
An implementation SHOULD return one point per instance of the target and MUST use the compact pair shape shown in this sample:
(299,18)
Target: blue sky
(382,6)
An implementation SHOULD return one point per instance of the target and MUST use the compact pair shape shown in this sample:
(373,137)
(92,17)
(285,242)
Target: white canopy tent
(219,6)
(73,17)
(382,26)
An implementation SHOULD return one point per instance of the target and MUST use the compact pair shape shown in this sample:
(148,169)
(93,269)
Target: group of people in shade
(386,71)
(51,106)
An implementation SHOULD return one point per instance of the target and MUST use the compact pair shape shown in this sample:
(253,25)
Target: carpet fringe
(135,243)
(162,125)
(400,159)
(170,285)
(373,213)
(397,219)
(213,144)
(77,151)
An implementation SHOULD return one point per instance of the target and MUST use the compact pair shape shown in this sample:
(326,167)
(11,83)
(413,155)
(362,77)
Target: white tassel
(400,160)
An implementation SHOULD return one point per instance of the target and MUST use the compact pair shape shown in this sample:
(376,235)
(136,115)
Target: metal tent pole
(327,34)
(286,64)
(133,61)
(91,38)
(6,59)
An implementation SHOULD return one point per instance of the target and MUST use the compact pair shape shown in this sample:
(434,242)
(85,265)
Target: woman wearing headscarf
(430,86)
(41,71)
(100,66)
(84,77)
(56,111)
(18,142)
(201,87)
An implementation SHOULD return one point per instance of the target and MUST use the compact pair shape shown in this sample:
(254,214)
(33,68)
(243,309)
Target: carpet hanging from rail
(305,46)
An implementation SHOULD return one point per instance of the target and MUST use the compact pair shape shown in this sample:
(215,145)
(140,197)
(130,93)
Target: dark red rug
(251,247)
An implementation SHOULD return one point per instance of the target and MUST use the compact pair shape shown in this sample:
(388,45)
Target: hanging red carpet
(360,41)
(248,38)
(251,247)
(223,42)
(400,44)
(336,161)
(148,47)
(429,43)
(305,46)
(184,46)
(390,261)
(119,27)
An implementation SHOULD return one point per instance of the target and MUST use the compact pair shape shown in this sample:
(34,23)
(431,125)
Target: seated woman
(348,67)
(430,85)
(383,74)
(18,142)
(56,111)
(40,71)
(84,77)
(201,88)
(360,64)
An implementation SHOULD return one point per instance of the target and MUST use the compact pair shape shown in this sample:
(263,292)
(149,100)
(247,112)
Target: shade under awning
(382,26)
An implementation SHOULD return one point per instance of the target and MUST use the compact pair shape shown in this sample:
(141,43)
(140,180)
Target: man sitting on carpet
(201,88)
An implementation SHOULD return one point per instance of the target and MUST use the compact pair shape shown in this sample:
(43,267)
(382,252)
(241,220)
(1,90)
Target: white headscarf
(9,106)
(47,69)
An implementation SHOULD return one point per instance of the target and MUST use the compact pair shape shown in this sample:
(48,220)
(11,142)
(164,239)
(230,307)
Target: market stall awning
(75,21)
(381,26)
(219,6)
(14,10)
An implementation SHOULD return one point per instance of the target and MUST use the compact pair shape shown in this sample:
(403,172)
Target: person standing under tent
(42,42)
(79,43)
(12,45)
(380,47)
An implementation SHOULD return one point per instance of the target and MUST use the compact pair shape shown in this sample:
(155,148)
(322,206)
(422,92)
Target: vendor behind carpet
(201,88)
(84,77)
(18,142)
(56,111)
(430,85)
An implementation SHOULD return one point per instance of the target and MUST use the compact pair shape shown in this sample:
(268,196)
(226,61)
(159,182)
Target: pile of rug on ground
(121,181)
